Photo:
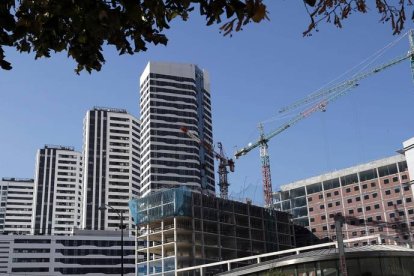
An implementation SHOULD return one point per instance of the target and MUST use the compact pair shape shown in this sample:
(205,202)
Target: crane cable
(364,63)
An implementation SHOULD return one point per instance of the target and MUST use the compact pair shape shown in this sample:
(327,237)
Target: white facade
(58,191)
(409,156)
(16,205)
(111,167)
(85,253)
(174,96)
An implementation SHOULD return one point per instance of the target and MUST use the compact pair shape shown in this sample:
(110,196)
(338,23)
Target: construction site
(180,228)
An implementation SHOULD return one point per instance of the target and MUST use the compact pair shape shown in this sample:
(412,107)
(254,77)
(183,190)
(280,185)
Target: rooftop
(343,172)
(59,147)
(325,254)
(15,179)
(110,109)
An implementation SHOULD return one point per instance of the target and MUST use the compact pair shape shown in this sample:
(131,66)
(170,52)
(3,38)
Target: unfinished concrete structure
(180,228)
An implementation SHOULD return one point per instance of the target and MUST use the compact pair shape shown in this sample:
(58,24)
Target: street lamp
(120,214)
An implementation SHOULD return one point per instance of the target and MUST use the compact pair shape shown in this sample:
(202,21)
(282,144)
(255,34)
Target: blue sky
(253,74)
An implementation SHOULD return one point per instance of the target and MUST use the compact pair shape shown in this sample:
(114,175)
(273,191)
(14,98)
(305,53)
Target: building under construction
(180,228)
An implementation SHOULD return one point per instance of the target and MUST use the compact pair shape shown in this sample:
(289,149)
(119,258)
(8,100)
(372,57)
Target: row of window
(356,188)
(369,219)
(366,197)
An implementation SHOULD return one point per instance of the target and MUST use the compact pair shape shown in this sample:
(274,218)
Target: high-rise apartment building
(174,96)
(57,201)
(111,167)
(375,198)
(16,205)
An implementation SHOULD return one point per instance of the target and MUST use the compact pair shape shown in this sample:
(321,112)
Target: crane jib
(327,95)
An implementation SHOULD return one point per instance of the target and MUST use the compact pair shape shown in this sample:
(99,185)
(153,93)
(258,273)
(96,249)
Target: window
(349,200)
(354,234)
(348,190)
(380,229)
(376,206)
(386,181)
(411,211)
(371,230)
(389,203)
(328,194)
(323,217)
(359,210)
(324,228)
(387,192)
(366,196)
(310,209)
(309,199)
(331,215)
(392,215)
(363,232)
(404,177)
(368,208)
(312,220)
(333,226)
(369,219)
(395,179)
(337,203)
(397,190)
(336,193)
(320,196)
(361,221)
(406,188)
(399,201)
(322,207)
(378,218)
(373,184)
(374,195)
(356,188)
(401,213)
(313,230)
(351,212)
(364,186)
(358,198)
(329,205)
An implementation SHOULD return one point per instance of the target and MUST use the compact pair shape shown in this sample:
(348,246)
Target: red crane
(322,98)
(224,162)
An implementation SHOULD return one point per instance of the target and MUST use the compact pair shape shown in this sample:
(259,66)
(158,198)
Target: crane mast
(223,172)
(327,96)
(267,179)
(224,162)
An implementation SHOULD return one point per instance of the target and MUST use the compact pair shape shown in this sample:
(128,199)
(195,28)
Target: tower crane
(224,162)
(324,97)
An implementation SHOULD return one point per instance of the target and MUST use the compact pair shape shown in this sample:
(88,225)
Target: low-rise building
(83,253)
(378,260)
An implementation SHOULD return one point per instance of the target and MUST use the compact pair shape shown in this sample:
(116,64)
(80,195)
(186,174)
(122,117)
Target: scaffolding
(179,228)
